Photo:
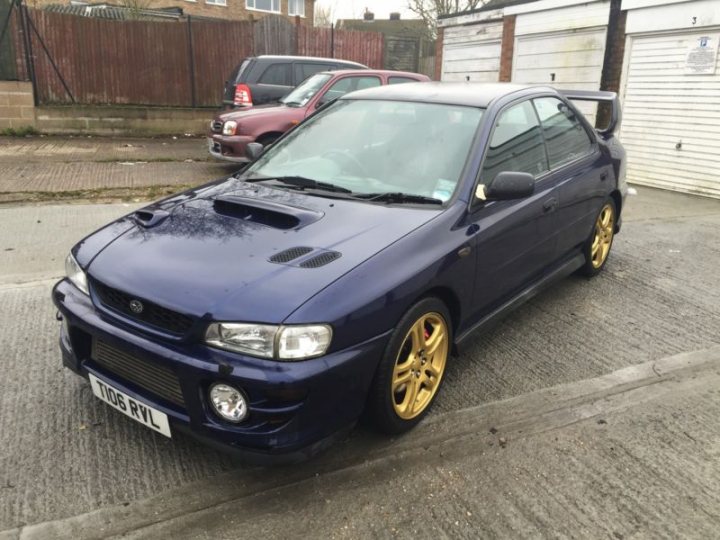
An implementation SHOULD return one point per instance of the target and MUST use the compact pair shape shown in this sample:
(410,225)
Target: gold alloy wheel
(604,230)
(420,365)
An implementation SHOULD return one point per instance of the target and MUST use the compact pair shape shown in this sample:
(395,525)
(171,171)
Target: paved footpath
(37,168)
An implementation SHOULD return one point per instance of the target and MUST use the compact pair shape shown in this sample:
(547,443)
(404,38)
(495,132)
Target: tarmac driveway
(64,453)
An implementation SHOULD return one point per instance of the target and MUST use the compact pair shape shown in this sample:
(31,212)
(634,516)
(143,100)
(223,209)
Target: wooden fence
(162,63)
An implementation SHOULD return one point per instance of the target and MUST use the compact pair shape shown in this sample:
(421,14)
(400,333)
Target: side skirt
(515,302)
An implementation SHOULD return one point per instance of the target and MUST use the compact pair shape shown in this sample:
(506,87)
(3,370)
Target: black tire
(594,264)
(382,399)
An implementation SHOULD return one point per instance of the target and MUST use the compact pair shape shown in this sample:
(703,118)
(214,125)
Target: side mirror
(506,186)
(254,150)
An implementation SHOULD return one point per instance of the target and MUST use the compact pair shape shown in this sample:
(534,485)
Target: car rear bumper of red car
(295,408)
(229,147)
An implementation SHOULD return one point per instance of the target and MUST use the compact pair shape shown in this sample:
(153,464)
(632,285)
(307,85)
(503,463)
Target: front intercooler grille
(157,379)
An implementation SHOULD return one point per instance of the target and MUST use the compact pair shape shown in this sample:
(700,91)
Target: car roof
(462,93)
(388,72)
(310,58)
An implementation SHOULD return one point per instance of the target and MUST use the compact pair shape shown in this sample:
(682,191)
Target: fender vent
(321,260)
(290,255)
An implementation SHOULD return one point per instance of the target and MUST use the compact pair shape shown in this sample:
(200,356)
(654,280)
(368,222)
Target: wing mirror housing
(254,150)
(507,186)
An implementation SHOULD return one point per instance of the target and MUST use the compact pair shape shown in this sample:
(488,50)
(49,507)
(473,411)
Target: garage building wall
(671,118)
(472,52)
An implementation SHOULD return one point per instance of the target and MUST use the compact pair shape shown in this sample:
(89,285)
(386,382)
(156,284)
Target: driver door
(515,240)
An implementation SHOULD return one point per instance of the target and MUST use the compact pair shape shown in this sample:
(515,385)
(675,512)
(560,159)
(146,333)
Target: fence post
(297,34)
(332,40)
(191,60)
(27,42)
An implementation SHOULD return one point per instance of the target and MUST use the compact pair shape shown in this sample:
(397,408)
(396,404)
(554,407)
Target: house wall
(235,10)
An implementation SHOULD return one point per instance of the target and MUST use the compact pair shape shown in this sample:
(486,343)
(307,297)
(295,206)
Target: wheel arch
(269,135)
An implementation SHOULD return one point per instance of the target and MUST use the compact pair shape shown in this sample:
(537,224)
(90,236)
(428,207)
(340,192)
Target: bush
(24,131)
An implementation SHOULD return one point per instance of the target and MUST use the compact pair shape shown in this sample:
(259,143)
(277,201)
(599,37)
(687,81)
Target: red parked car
(231,132)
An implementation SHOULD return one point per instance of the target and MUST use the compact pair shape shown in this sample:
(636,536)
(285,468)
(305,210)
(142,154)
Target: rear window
(277,74)
(401,80)
(303,71)
(240,70)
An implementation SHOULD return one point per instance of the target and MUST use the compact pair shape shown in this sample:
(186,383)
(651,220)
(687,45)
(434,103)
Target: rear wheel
(597,247)
(412,368)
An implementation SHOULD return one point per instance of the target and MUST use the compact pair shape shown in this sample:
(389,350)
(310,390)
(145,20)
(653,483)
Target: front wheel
(597,247)
(412,368)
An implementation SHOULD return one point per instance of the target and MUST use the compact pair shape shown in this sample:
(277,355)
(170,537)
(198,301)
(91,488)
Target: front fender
(371,299)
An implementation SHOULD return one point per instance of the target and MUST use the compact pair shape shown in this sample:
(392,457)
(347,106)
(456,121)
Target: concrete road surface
(64,453)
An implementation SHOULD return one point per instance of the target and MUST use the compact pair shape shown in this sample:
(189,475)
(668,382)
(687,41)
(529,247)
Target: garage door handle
(550,205)
(603,177)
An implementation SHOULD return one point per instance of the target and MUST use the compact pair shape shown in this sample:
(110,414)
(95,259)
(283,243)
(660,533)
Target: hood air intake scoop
(264,212)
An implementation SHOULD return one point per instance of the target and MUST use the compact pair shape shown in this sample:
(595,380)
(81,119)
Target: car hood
(212,255)
(262,112)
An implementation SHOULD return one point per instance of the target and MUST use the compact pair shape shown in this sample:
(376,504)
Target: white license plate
(137,410)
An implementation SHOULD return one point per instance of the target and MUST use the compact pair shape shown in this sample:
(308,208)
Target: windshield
(305,92)
(376,147)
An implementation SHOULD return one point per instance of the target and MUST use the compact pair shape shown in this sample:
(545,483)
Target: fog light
(228,402)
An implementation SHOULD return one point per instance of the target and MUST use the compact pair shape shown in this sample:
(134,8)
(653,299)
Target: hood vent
(264,212)
(149,217)
(290,254)
(326,257)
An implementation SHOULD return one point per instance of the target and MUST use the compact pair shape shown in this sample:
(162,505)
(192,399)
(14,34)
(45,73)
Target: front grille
(216,126)
(151,314)
(157,379)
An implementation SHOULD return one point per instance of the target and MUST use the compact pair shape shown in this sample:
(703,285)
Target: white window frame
(253,8)
(222,3)
(296,3)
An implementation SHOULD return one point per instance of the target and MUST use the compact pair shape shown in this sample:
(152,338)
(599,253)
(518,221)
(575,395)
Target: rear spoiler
(601,97)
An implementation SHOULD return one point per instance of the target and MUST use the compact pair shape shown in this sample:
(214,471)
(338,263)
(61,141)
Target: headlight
(228,402)
(76,274)
(267,341)
(298,342)
(229,128)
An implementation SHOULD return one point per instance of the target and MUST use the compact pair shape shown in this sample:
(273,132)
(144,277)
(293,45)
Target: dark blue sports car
(339,272)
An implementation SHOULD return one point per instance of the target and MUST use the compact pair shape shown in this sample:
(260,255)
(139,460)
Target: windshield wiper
(399,197)
(303,183)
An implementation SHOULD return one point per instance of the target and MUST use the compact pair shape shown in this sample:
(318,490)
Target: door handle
(603,176)
(550,205)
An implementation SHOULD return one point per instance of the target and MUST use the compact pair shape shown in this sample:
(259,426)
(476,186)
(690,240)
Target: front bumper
(295,408)
(229,147)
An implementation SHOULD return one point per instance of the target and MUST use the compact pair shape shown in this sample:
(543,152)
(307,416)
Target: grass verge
(105,195)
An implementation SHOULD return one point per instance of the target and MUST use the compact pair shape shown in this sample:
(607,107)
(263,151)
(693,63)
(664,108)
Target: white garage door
(567,59)
(472,51)
(671,119)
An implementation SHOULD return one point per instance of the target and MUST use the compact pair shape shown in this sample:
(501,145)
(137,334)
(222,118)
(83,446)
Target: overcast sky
(354,9)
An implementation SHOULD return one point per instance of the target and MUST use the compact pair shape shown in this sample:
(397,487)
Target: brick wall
(234,10)
(17,108)
(507,48)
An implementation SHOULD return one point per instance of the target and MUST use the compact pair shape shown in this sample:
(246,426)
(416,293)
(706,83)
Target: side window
(516,145)
(565,136)
(278,74)
(349,84)
(401,80)
(304,70)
